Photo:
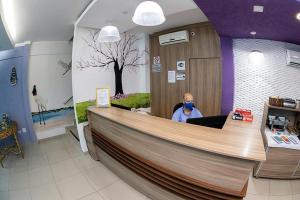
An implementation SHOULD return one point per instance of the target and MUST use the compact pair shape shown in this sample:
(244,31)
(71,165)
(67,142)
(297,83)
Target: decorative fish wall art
(13,76)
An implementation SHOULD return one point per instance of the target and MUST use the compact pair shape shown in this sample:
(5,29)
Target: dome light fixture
(298,15)
(256,57)
(148,13)
(109,33)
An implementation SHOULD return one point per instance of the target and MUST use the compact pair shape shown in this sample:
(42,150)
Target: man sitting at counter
(187,111)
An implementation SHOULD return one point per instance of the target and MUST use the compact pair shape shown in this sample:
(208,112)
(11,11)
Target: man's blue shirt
(180,116)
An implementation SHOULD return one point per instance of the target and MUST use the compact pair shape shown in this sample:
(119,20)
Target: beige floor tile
(37,162)
(57,156)
(284,197)
(100,177)
(17,164)
(75,187)
(19,181)
(19,195)
(94,196)
(40,176)
(258,186)
(296,197)
(4,170)
(4,195)
(33,150)
(53,145)
(280,187)
(256,197)
(64,169)
(120,190)
(45,192)
(85,162)
(296,186)
(4,182)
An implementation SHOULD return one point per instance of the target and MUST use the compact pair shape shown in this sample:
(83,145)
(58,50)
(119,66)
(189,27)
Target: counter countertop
(237,138)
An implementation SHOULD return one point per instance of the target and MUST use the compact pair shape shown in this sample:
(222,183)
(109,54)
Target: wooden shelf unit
(281,163)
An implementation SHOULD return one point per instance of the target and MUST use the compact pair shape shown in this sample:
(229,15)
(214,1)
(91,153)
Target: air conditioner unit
(173,38)
(293,58)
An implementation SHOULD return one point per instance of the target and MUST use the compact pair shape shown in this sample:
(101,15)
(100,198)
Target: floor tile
(258,186)
(85,162)
(4,195)
(124,191)
(33,150)
(57,156)
(74,188)
(53,145)
(46,192)
(64,169)
(296,186)
(100,177)
(19,181)
(37,161)
(40,176)
(296,197)
(94,196)
(256,197)
(19,195)
(17,164)
(284,197)
(280,187)
(4,182)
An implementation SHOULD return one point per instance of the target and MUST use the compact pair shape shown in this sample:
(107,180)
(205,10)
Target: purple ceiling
(235,18)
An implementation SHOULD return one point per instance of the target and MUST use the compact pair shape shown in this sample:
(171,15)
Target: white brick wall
(254,84)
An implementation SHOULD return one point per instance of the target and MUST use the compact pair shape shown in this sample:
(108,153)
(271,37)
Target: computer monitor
(212,122)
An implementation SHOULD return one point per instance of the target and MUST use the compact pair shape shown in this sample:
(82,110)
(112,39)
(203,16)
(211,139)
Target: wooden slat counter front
(170,160)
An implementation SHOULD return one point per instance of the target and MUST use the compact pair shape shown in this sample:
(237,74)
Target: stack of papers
(284,140)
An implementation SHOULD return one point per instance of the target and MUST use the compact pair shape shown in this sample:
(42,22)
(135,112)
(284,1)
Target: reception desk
(169,160)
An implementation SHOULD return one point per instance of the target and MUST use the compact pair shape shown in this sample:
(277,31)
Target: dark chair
(177,106)
(213,121)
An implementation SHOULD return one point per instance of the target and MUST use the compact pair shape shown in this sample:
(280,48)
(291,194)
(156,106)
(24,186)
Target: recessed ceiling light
(298,16)
(258,9)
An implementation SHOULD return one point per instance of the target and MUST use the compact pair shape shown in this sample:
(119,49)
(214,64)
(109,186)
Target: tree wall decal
(120,55)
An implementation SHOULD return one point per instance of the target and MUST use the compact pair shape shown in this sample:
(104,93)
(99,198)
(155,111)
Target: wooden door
(205,82)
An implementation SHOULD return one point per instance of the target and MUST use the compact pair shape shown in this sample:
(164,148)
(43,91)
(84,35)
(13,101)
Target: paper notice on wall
(156,67)
(103,97)
(181,65)
(171,76)
(156,60)
(180,76)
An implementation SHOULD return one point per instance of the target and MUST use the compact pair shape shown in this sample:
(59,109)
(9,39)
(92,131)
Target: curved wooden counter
(171,160)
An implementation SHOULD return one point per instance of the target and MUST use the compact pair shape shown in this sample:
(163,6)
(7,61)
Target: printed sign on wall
(171,76)
(181,65)
(180,76)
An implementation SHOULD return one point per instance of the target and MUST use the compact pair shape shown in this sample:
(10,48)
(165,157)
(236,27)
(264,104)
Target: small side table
(14,148)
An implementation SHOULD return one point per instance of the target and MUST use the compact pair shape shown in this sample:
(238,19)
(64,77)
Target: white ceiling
(120,12)
(46,20)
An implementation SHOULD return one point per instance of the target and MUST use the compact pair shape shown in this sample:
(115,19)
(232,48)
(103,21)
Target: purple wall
(14,99)
(227,74)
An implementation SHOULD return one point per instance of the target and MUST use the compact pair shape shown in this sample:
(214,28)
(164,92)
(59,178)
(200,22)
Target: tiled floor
(56,169)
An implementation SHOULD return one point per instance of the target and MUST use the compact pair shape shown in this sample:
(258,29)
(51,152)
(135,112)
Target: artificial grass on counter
(138,100)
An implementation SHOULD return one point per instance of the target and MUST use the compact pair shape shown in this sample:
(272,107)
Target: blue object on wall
(14,99)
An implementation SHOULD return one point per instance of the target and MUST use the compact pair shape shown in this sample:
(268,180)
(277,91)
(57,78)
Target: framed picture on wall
(103,97)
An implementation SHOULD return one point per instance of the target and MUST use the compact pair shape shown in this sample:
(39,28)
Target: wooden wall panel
(205,44)
(205,84)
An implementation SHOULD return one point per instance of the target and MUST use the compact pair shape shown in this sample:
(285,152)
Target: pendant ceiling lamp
(256,57)
(148,13)
(109,34)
